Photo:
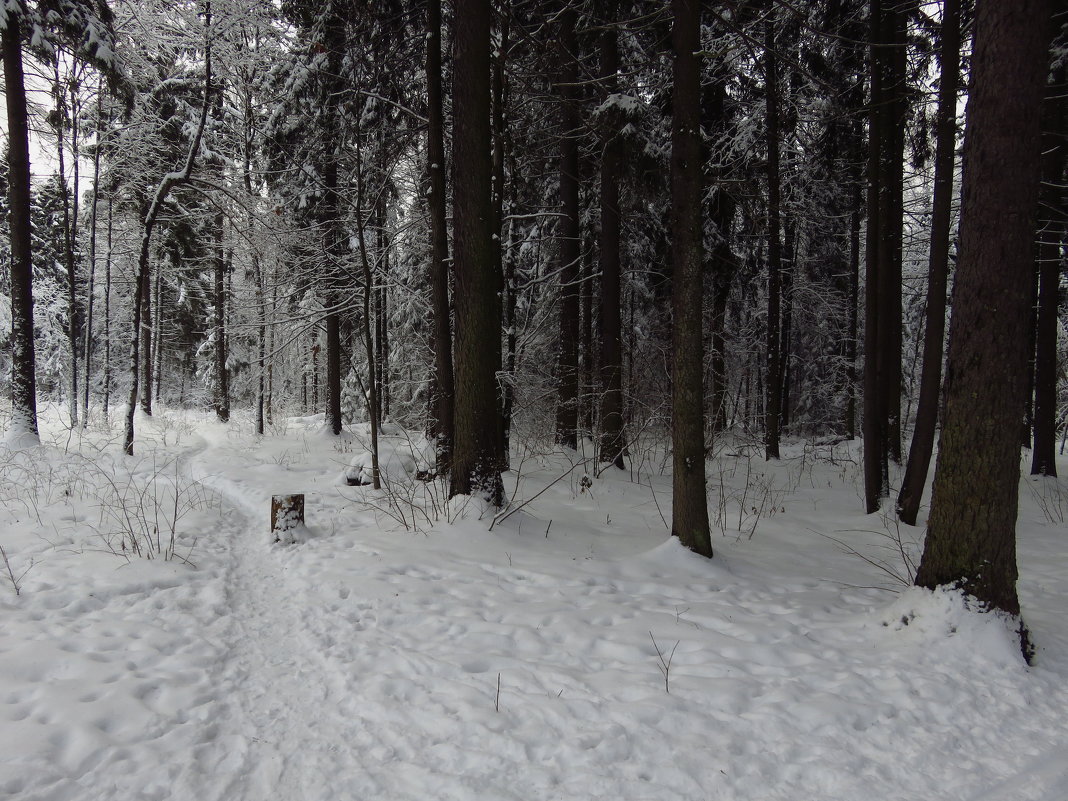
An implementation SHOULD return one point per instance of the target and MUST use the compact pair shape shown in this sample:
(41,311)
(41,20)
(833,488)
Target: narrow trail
(280,729)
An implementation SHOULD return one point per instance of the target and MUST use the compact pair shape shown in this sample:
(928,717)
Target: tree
(971,540)
(441,405)
(477,350)
(908,501)
(613,439)
(774,350)
(689,507)
(570,246)
(23,424)
(882,288)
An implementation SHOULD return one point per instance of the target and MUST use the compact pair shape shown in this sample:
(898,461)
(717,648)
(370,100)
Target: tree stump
(287,516)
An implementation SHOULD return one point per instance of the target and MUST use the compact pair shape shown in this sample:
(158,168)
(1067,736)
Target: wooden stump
(287,514)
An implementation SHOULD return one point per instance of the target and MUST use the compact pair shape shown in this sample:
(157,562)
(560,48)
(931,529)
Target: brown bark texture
(971,537)
(689,506)
(477,351)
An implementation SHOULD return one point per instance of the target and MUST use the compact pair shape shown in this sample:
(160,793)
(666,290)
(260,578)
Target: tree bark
(971,539)
(774,357)
(876,467)
(23,426)
(908,500)
(570,234)
(689,507)
(477,432)
(222,389)
(613,439)
(441,404)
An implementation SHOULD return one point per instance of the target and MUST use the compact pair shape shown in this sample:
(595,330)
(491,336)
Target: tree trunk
(23,426)
(893,106)
(70,222)
(613,439)
(774,356)
(876,466)
(971,538)
(476,447)
(94,204)
(908,500)
(222,390)
(689,507)
(441,403)
(570,234)
(106,400)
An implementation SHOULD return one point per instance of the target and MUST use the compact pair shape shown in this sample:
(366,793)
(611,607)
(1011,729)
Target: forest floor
(404,649)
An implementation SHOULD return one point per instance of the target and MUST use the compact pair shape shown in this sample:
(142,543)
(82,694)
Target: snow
(573,652)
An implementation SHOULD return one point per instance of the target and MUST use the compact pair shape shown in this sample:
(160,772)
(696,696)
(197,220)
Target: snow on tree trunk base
(287,519)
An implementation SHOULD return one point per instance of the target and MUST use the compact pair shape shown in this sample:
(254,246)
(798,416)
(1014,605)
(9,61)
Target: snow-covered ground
(404,650)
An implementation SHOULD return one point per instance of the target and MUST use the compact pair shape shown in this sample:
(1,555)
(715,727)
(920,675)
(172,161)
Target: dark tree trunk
(971,538)
(222,388)
(504,276)
(774,356)
(876,466)
(1051,235)
(441,404)
(851,339)
(589,367)
(146,338)
(477,433)
(570,233)
(689,506)
(613,439)
(23,376)
(334,236)
(908,501)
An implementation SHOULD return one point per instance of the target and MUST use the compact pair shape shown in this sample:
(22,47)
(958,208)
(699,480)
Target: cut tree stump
(287,515)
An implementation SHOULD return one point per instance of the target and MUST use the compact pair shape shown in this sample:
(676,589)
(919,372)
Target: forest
(509,251)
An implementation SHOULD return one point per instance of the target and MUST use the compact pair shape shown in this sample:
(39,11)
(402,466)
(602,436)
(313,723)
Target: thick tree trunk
(23,426)
(971,539)
(689,507)
(477,432)
(613,439)
(908,501)
(570,233)
(441,396)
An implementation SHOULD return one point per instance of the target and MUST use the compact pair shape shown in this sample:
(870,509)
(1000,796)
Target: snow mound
(947,618)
